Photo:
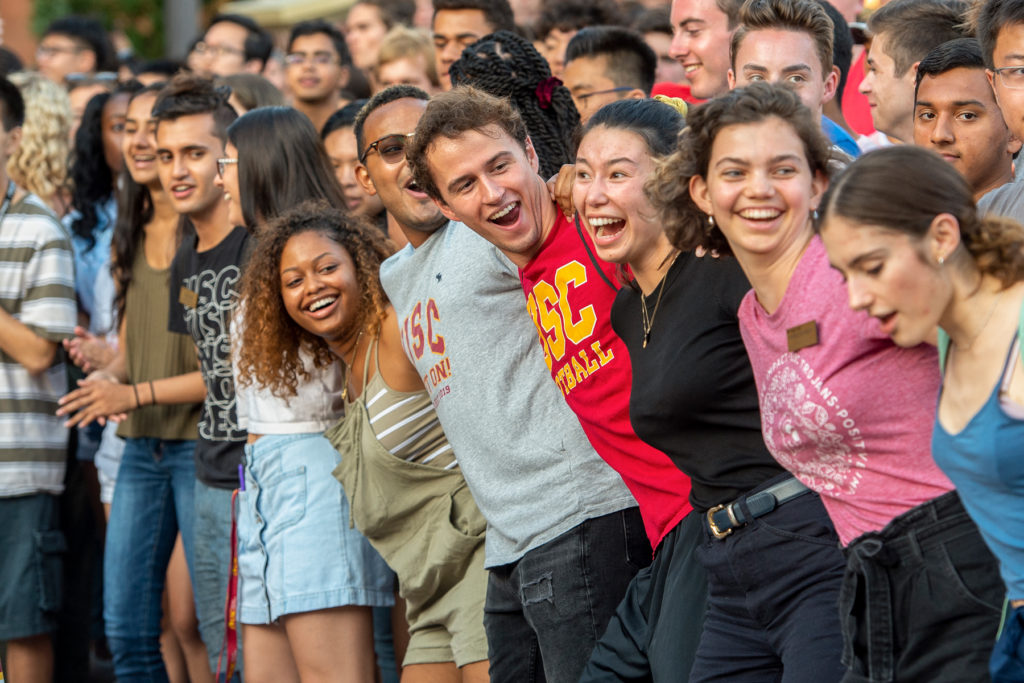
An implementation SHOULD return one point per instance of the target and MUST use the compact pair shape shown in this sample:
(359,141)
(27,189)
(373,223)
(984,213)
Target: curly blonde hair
(40,164)
(268,351)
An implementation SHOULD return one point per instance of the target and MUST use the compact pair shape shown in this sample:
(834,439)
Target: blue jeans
(545,612)
(153,501)
(212,567)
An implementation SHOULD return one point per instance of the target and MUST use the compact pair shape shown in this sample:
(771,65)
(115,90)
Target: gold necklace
(647,321)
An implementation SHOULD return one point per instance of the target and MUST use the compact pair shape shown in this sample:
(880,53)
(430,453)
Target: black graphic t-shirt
(203,294)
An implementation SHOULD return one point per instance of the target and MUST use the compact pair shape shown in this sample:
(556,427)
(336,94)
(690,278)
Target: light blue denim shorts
(296,551)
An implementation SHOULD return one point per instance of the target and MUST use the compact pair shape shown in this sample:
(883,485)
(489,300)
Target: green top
(154,353)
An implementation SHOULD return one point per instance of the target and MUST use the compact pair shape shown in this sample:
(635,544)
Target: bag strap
(593,259)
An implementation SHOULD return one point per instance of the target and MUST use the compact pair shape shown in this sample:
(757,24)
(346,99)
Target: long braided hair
(504,65)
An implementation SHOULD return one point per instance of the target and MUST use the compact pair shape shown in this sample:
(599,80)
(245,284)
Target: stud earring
(941,260)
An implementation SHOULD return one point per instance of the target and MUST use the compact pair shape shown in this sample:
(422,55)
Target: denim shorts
(30,569)
(921,599)
(296,549)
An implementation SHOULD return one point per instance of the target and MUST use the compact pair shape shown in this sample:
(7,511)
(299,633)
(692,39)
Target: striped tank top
(405,422)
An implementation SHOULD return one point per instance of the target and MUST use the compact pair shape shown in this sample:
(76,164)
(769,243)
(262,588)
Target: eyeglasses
(391,148)
(204,48)
(223,163)
(1011,76)
(318,58)
(54,50)
(585,96)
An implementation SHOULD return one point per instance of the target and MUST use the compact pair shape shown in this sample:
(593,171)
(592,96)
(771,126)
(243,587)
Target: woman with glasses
(307,581)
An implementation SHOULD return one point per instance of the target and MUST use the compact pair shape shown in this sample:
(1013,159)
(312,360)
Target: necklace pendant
(647,335)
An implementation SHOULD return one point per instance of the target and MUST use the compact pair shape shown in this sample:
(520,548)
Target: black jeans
(773,587)
(544,613)
(657,626)
(921,599)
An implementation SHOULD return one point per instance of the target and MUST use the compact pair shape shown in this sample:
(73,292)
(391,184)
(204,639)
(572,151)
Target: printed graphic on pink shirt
(807,429)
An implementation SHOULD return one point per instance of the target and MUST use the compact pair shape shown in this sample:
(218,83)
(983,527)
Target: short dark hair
(343,118)
(9,62)
(654,20)
(953,54)
(452,114)
(164,67)
(991,17)
(314,26)
(258,44)
(842,46)
(630,60)
(914,27)
(12,105)
(497,13)
(90,34)
(189,94)
(573,15)
(385,96)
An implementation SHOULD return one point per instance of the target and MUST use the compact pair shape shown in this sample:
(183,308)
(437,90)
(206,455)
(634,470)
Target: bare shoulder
(396,369)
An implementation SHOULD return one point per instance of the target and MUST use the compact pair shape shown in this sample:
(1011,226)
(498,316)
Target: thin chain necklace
(995,304)
(647,320)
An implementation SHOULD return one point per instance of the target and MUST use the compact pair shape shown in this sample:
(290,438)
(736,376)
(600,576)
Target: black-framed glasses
(223,163)
(391,148)
(585,96)
(322,58)
(1011,76)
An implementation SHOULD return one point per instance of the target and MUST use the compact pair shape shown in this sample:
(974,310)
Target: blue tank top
(986,463)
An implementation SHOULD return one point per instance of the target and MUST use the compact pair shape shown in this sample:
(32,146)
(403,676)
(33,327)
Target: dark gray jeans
(544,613)
(921,599)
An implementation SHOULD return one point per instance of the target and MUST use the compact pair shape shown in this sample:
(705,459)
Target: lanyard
(7,200)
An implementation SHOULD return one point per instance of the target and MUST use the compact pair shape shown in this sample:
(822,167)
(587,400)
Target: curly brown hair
(686,225)
(904,188)
(271,341)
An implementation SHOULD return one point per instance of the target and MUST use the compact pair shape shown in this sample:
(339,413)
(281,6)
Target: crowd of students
(500,358)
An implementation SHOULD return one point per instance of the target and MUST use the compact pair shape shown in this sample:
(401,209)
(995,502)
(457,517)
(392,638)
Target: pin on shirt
(802,336)
(188,298)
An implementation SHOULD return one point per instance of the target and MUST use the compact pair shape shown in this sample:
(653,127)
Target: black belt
(722,519)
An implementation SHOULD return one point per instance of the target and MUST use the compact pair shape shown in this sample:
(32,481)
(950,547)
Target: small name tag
(802,336)
(186,297)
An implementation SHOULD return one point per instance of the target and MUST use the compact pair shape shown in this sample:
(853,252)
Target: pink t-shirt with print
(850,416)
